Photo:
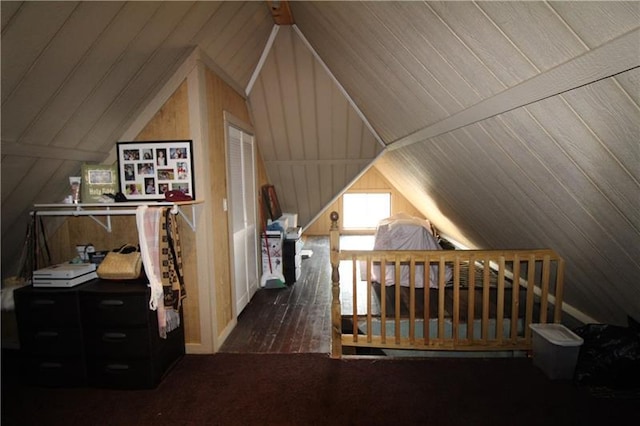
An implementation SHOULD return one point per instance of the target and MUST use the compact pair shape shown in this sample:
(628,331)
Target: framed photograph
(149,169)
(98,179)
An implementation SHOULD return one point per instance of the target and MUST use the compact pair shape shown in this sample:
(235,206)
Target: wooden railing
(487,305)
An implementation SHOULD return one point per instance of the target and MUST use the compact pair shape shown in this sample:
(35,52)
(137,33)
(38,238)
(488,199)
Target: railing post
(336,314)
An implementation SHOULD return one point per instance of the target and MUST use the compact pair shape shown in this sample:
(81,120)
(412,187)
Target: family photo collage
(150,169)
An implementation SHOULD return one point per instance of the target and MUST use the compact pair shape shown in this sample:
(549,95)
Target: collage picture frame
(147,170)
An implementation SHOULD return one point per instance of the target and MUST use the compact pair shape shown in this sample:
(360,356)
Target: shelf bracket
(190,221)
(106,224)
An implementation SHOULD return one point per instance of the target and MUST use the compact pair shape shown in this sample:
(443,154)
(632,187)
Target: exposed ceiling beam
(263,58)
(281,12)
(51,152)
(615,57)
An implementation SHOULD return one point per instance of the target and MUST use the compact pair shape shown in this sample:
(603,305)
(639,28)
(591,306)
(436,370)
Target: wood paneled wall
(172,122)
(220,97)
(372,180)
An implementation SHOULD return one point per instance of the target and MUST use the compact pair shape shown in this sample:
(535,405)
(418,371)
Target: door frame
(231,120)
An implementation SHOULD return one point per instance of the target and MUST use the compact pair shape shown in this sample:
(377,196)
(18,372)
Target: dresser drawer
(123,374)
(52,341)
(55,370)
(46,307)
(114,309)
(119,343)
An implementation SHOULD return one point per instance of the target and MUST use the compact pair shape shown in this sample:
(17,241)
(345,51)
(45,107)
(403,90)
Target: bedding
(404,232)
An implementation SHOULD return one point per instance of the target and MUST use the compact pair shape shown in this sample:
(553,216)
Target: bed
(405,232)
(476,300)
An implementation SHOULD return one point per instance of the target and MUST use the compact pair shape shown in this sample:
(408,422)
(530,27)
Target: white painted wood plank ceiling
(508,124)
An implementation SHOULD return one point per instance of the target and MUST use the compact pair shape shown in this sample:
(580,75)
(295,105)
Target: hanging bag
(124,263)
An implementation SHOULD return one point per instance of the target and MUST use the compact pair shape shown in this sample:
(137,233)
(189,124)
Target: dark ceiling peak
(281,12)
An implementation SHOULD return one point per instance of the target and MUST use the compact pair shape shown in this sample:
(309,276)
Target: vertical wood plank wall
(172,122)
(220,98)
(372,180)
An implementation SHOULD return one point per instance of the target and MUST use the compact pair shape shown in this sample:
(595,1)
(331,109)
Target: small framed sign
(98,179)
(149,169)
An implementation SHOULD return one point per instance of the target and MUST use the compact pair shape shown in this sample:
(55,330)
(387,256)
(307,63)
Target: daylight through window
(365,210)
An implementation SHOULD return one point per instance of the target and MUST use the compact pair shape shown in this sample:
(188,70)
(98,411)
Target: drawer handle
(50,365)
(110,303)
(113,337)
(116,368)
(43,302)
(46,334)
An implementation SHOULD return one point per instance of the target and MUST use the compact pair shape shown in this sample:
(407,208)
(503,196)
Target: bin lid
(557,334)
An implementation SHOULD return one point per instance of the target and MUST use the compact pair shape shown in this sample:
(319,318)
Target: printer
(64,275)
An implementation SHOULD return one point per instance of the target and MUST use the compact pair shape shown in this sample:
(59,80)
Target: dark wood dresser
(50,333)
(100,333)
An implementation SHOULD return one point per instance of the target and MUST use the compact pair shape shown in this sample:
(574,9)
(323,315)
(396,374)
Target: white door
(242,208)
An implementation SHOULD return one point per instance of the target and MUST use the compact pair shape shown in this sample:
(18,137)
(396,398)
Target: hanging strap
(38,239)
(172,278)
(44,240)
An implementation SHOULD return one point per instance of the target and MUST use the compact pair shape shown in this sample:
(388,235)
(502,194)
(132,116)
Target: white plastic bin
(555,350)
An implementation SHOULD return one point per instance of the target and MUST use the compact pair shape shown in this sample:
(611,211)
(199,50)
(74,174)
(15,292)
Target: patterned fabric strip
(171,254)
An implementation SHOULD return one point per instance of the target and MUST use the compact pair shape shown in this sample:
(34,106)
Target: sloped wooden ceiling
(312,141)
(76,74)
(509,124)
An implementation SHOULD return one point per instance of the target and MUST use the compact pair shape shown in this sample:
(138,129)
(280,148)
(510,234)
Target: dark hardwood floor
(295,319)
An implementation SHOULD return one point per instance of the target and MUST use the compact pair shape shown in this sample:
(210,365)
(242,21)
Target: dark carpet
(312,389)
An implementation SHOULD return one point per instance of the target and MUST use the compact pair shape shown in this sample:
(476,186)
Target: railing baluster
(500,301)
(515,298)
(369,315)
(336,311)
(531,276)
(354,298)
(456,299)
(557,312)
(412,301)
(397,300)
(545,289)
(471,297)
(427,300)
(486,289)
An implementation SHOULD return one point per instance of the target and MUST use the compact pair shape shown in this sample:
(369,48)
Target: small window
(365,210)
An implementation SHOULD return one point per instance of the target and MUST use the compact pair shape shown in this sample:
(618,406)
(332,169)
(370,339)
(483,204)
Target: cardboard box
(555,350)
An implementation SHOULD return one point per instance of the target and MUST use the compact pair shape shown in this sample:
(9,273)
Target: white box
(555,350)
(65,270)
(293,233)
(292,219)
(64,275)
